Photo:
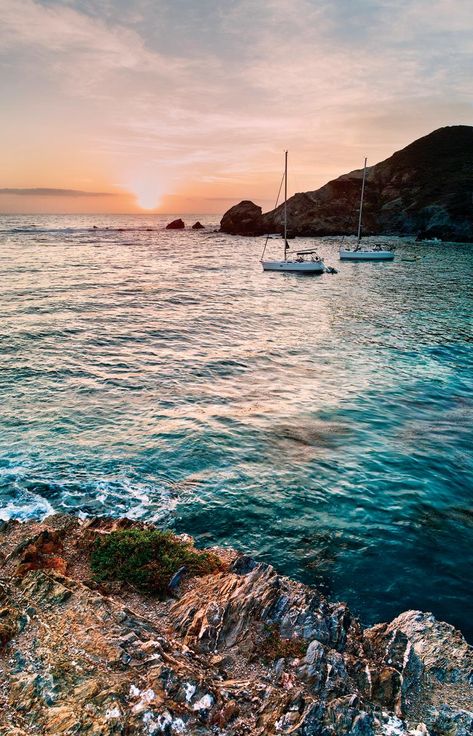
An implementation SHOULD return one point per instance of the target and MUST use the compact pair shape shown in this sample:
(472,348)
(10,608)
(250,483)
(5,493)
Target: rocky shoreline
(235,650)
(425,190)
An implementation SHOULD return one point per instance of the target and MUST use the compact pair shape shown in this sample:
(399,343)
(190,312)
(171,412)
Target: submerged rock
(243,650)
(198,226)
(176,225)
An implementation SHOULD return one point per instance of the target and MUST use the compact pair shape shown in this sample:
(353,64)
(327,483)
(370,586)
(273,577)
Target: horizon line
(109,214)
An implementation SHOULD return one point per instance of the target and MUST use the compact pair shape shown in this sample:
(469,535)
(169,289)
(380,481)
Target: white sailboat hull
(294,266)
(299,261)
(366,255)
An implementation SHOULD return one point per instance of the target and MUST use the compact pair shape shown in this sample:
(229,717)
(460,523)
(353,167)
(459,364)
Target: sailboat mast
(285,204)
(361,205)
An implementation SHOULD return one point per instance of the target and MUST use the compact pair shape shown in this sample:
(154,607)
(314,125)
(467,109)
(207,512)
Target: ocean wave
(29,492)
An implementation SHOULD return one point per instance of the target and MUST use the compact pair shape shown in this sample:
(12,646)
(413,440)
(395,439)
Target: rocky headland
(98,638)
(424,190)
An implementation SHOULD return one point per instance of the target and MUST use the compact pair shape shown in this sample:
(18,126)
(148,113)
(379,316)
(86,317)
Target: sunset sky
(187,105)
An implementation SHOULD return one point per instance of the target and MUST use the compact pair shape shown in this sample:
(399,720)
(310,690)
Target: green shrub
(147,558)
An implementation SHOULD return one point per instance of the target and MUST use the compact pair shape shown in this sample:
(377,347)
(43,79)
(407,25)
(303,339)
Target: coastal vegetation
(148,559)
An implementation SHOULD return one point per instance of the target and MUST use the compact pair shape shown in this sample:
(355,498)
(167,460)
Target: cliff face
(240,650)
(426,188)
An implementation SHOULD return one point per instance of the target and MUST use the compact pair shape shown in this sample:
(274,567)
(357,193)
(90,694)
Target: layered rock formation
(425,189)
(239,651)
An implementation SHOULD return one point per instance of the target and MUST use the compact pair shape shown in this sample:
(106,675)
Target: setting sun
(147,200)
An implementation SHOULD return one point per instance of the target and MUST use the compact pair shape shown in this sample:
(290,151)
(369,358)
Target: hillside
(425,190)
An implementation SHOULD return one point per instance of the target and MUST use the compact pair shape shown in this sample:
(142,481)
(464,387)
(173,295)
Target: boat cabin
(303,256)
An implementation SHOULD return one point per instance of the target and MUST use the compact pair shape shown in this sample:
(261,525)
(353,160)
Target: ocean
(323,424)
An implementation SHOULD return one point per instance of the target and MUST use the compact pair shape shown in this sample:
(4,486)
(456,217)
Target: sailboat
(376,253)
(302,261)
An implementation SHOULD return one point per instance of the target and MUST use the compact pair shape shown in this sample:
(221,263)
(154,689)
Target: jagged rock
(198,226)
(78,661)
(176,225)
(424,188)
(41,552)
(244,218)
(216,616)
(9,619)
(428,657)
(448,721)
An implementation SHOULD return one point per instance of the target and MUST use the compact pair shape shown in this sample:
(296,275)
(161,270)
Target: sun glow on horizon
(147,201)
(146,191)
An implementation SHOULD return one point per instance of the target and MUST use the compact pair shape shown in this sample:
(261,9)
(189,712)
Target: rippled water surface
(322,423)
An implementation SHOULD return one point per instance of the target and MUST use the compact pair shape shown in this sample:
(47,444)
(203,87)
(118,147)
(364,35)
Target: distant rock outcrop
(198,226)
(243,219)
(176,225)
(425,188)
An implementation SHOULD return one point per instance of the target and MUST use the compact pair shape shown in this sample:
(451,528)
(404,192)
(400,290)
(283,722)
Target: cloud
(79,48)
(193,98)
(49,192)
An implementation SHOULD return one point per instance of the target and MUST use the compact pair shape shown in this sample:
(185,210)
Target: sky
(179,106)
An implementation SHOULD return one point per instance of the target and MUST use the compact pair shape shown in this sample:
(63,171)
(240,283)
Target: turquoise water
(323,424)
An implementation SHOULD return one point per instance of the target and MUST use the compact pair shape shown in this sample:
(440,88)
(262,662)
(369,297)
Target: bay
(323,424)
